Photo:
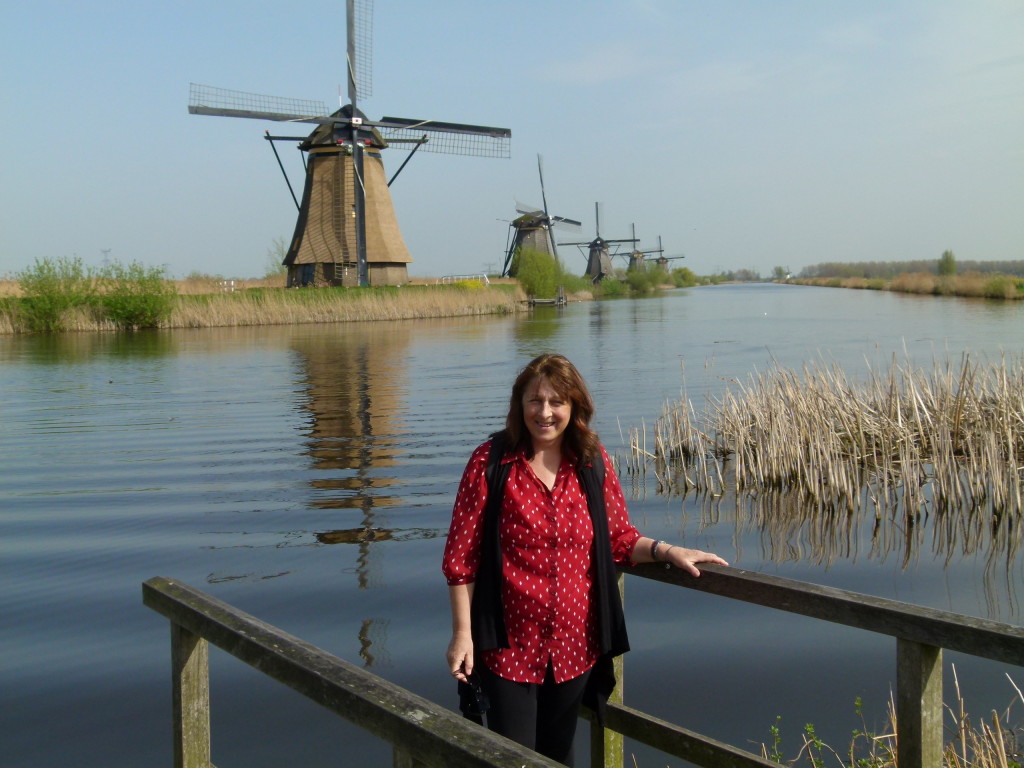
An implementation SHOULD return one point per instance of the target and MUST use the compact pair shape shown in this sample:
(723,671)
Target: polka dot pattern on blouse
(546,541)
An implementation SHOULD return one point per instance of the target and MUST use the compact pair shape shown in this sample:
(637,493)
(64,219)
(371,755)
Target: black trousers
(541,717)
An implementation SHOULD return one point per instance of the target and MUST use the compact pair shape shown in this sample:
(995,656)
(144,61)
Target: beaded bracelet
(654,549)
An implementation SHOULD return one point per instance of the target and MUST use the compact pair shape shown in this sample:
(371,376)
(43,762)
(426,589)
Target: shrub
(52,287)
(610,288)
(683,277)
(947,264)
(642,283)
(999,287)
(135,296)
(537,273)
(575,283)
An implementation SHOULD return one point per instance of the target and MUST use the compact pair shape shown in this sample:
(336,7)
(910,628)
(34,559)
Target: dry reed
(968,284)
(904,441)
(327,306)
(197,306)
(993,743)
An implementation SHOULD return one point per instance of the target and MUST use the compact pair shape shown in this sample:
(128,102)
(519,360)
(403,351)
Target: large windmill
(599,255)
(347,232)
(533,229)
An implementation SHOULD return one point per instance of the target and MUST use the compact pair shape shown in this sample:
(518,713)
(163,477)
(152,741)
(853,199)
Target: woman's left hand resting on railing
(653,551)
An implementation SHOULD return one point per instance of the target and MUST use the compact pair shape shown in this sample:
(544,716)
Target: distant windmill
(662,260)
(347,232)
(638,260)
(599,257)
(533,229)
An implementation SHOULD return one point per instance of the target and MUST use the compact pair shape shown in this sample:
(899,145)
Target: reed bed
(282,307)
(270,306)
(968,284)
(949,439)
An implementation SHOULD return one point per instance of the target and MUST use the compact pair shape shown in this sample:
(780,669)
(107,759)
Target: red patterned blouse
(546,537)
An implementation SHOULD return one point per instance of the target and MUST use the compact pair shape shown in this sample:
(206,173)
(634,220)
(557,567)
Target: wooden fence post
(607,747)
(190,662)
(918,704)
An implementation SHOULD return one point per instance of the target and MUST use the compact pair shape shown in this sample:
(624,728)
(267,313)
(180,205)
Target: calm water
(306,475)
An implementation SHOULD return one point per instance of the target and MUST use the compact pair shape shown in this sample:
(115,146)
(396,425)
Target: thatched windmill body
(347,232)
(599,251)
(532,230)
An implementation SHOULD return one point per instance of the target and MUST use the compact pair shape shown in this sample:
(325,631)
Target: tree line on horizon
(890,269)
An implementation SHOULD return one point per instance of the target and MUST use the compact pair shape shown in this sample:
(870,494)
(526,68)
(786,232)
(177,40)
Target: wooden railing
(921,635)
(423,733)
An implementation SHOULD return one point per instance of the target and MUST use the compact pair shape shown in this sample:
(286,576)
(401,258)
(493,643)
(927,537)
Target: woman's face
(546,414)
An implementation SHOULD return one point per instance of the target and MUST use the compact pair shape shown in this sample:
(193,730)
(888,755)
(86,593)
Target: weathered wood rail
(921,635)
(423,733)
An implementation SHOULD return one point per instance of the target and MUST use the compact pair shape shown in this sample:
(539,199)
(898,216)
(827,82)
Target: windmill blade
(564,223)
(532,210)
(438,125)
(359,48)
(449,138)
(540,172)
(544,198)
(222,102)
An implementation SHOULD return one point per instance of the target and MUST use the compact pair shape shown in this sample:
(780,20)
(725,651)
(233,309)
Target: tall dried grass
(205,309)
(905,440)
(993,743)
(197,284)
(330,306)
(968,284)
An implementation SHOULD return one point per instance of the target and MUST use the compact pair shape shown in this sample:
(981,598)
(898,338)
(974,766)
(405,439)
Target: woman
(539,633)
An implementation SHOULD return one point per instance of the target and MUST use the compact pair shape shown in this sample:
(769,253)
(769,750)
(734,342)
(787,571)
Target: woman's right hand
(460,656)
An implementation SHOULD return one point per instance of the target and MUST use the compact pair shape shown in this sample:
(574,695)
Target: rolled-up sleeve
(462,550)
(621,532)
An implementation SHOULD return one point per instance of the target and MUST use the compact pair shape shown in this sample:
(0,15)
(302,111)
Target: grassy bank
(217,305)
(968,284)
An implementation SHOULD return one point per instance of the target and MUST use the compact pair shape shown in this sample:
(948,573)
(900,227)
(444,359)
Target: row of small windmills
(346,231)
(535,229)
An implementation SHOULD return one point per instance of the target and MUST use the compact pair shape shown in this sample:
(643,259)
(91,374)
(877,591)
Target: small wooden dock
(559,301)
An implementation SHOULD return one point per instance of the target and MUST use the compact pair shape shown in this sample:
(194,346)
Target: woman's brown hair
(580,442)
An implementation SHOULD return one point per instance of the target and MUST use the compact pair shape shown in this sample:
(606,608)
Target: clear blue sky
(747,134)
